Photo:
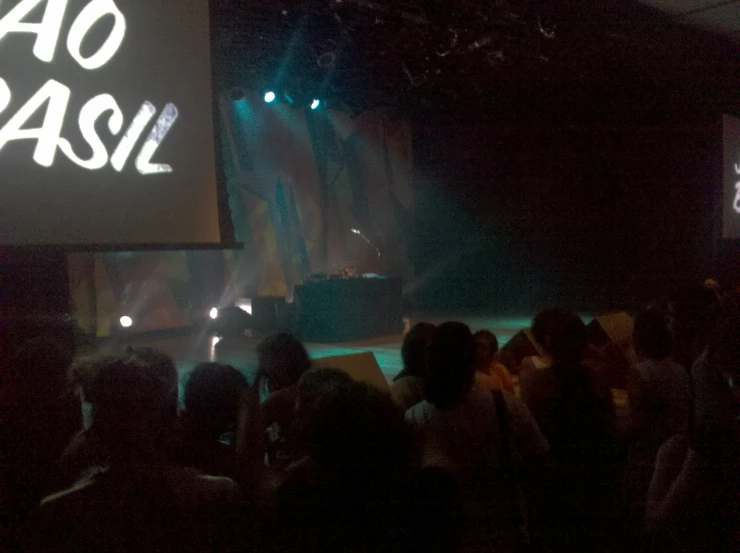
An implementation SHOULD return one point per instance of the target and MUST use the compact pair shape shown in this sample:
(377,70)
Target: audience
(136,500)
(212,398)
(408,385)
(481,438)
(539,333)
(451,462)
(577,419)
(282,360)
(659,396)
(82,453)
(163,368)
(489,373)
(349,492)
(692,504)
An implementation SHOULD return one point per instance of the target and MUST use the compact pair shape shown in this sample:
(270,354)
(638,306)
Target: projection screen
(106,129)
(731,169)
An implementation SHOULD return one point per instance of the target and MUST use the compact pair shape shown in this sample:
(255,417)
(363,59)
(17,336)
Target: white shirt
(660,397)
(408,391)
(466,440)
(467,434)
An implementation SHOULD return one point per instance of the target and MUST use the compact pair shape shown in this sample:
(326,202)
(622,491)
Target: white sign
(54,96)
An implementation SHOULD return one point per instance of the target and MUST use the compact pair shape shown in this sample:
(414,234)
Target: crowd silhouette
(473,450)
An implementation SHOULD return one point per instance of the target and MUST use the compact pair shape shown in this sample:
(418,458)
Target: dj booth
(340,310)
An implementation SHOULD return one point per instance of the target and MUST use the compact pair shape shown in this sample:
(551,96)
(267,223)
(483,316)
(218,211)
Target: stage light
(356,230)
(245,304)
(215,340)
(213,313)
(315,104)
(126,322)
(270,96)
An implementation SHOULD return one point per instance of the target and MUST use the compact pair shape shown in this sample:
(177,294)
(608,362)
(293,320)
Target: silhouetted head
(542,320)
(566,338)
(415,350)
(319,382)
(486,348)
(164,368)
(128,407)
(356,431)
(316,387)
(212,397)
(451,365)
(282,360)
(651,337)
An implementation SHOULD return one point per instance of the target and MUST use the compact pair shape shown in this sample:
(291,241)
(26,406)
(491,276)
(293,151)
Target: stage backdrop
(299,180)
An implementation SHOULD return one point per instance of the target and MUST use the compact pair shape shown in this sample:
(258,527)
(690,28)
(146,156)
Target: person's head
(315,388)
(691,311)
(212,397)
(128,407)
(566,338)
(164,368)
(282,360)
(486,348)
(451,365)
(318,383)
(41,367)
(356,431)
(541,322)
(415,350)
(651,337)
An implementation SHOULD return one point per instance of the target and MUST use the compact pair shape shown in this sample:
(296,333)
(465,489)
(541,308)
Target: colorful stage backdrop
(298,181)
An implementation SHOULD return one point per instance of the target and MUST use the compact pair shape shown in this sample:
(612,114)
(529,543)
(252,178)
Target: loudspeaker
(614,328)
(362,367)
(522,345)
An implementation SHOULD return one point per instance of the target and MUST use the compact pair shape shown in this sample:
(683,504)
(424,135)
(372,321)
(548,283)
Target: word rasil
(55,95)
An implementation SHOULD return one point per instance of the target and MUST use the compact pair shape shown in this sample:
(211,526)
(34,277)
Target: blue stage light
(269,96)
(315,104)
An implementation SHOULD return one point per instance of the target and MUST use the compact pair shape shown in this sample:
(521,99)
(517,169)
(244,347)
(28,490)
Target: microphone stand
(373,246)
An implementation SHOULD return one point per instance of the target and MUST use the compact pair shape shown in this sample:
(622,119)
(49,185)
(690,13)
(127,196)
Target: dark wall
(591,216)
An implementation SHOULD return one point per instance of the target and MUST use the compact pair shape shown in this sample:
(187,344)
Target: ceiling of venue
(501,56)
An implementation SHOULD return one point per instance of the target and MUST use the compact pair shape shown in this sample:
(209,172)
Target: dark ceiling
(508,59)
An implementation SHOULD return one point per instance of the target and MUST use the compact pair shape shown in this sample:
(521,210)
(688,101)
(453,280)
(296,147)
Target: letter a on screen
(47,32)
(47,136)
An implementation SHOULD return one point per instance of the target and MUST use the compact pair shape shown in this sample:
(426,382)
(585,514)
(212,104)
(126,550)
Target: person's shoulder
(193,488)
(419,413)
(534,378)
(281,397)
(485,381)
(518,409)
(675,370)
(406,384)
(72,494)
